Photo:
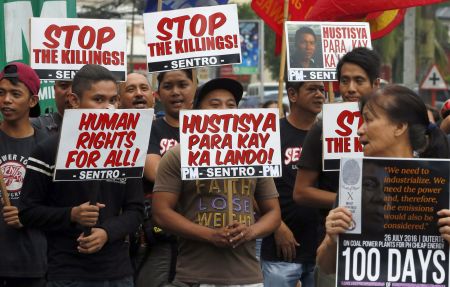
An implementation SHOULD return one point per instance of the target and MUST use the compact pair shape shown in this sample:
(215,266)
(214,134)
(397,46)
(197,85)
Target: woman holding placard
(395,124)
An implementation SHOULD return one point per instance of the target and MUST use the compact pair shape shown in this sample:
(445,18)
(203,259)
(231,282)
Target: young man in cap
(63,211)
(288,255)
(51,123)
(212,252)
(23,250)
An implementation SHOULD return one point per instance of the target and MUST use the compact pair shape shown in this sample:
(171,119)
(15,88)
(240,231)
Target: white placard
(98,144)
(340,133)
(314,48)
(230,143)
(193,37)
(61,46)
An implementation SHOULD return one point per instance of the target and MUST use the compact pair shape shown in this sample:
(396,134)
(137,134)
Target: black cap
(233,86)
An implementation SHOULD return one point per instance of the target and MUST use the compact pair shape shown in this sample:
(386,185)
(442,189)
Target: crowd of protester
(143,232)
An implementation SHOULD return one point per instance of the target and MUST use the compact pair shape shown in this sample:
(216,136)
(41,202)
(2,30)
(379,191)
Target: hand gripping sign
(61,46)
(193,37)
(103,144)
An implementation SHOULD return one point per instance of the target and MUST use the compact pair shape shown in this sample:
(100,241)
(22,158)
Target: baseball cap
(28,77)
(233,86)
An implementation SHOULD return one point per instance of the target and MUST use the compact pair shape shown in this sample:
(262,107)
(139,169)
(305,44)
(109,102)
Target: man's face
(310,97)
(176,92)
(136,93)
(218,100)
(15,101)
(354,83)
(101,95)
(62,89)
(307,45)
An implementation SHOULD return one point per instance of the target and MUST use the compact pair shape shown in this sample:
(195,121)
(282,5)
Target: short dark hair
(88,75)
(304,30)
(367,59)
(188,73)
(402,105)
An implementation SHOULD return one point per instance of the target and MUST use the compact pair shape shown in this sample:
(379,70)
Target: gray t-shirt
(204,202)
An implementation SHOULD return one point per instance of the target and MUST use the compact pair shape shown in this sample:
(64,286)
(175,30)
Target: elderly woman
(395,124)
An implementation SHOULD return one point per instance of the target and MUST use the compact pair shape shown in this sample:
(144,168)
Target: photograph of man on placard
(305,46)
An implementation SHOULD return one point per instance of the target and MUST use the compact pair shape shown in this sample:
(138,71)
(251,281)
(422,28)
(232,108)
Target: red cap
(27,76)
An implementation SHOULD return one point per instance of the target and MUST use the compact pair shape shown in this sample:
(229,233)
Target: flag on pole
(152,5)
(343,10)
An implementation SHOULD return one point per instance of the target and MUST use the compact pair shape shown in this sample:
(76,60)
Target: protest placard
(230,143)
(340,139)
(188,38)
(98,144)
(314,48)
(61,46)
(395,239)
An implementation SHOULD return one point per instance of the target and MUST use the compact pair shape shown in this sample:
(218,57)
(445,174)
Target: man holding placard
(358,74)
(213,249)
(288,255)
(23,250)
(63,209)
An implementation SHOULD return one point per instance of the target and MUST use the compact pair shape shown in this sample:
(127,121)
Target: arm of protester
(151,166)
(444,224)
(268,222)
(337,222)
(86,214)
(445,125)
(131,215)
(34,210)
(165,216)
(11,216)
(305,192)
(285,243)
(92,243)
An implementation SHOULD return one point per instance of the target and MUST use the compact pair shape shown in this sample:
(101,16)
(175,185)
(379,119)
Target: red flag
(338,10)
(271,11)
(384,22)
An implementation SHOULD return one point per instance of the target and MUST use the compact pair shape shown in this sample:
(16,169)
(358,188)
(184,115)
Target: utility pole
(409,49)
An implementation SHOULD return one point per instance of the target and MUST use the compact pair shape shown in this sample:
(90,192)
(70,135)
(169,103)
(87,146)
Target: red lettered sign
(103,144)
(188,38)
(230,143)
(61,46)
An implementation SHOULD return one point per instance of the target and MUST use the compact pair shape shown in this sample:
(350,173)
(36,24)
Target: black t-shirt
(23,251)
(46,204)
(162,137)
(312,159)
(301,220)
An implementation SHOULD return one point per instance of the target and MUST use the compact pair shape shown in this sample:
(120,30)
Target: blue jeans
(123,282)
(286,274)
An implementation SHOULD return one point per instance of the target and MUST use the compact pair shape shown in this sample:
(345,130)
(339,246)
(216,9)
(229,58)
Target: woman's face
(377,134)
(176,92)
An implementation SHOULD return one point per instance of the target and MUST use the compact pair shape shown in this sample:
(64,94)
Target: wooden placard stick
(4,191)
